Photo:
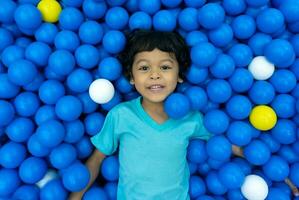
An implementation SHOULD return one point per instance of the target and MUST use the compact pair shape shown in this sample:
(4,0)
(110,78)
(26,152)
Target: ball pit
(59,76)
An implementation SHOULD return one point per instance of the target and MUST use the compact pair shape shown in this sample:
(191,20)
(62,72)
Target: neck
(155,110)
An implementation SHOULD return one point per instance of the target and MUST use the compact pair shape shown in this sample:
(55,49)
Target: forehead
(154,55)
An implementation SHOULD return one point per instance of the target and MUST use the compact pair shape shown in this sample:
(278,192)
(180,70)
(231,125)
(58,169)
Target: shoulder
(124,107)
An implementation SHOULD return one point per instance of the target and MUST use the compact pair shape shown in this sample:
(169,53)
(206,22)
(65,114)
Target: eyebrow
(163,60)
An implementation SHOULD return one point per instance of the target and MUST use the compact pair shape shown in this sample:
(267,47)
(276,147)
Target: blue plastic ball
(50,91)
(87,56)
(269,20)
(93,123)
(91,32)
(234,130)
(243,164)
(276,169)
(234,7)
(164,20)
(12,155)
(32,170)
(294,174)
(295,68)
(223,67)
(209,21)
(123,85)
(242,54)
(197,97)
(280,52)
(284,105)
(84,148)
(290,10)
(238,107)
(26,192)
(243,26)
(197,75)
(284,131)
(195,37)
(61,62)
(6,38)
(7,112)
(95,193)
(197,186)
(72,3)
(222,35)
(26,104)
(109,168)
(149,7)
(216,121)
(283,80)
(79,80)
(68,108)
(53,190)
(257,152)
(9,181)
(132,5)
(177,105)
(219,90)
(44,113)
(268,139)
(288,154)
(75,177)
(256,3)
(203,54)
(74,130)
(67,40)
(27,16)
(231,175)
(88,104)
(94,9)
(219,148)
(111,190)
(116,18)
(36,148)
(275,193)
(214,185)
(70,18)
(38,53)
(261,92)
(46,33)
(187,19)
(114,41)
(22,72)
(295,43)
(7,11)
(110,68)
(62,156)
(12,53)
(258,42)
(197,152)
(140,20)
(20,129)
(50,133)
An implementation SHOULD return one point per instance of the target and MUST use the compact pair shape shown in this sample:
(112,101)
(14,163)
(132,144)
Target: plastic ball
(26,104)
(109,168)
(101,91)
(176,105)
(9,181)
(95,193)
(234,130)
(70,18)
(214,185)
(254,187)
(36,148)
(12,155)
(50,133)
(216,121)
(44,113)
(257,152)
(269,20)
(75,177)
(50,10)
(50,91)
(234,7)
(46,32)
(197,152)
(283,80)
(123,85)
(50,175)
(110,68)
(74,130)
(7,11)
(94,9)
(20,129)
(149,7)
(114,41)
(223,67)
(197,97)
(67,40)
(62,156)
(257,43)
(79,80)
(53,190)
(88,104)
(91,32)
(27,16)
(6,38)
(288,154)
(219,148)
(22,72)
(116,18)
(241,80)
(68,108)
(238,107)
(243,26)
(26,192)
(187,19)
(12,53)
(87,56)
(61,62)
(7,112)
(196,186)
(277,169)
(93,123)
(284,131)
(140,20)
(276,192)
(197,75)
(295,43)
(164,20)
(294,174)
(262,92)
(261,68)
(195,37)
(209,21)
(241,53)
(203,54)
(32,170)
(231,175)
(280,52)
(84,148)
(290,10)
(284,105)
(38,53)
(221,36)
(263,117)
(219,90)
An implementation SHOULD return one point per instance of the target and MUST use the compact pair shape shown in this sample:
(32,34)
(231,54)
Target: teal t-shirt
(152,156)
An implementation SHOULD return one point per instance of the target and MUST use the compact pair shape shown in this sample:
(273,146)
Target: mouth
(156,87)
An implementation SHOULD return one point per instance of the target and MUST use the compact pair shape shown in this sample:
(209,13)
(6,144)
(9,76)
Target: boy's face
(155,74)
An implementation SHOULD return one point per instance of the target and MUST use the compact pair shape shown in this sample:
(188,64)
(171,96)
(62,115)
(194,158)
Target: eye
(165,67)
(143,68)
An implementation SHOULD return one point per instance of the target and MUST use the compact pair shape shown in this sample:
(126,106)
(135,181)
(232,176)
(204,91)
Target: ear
(180,80)
(132,82)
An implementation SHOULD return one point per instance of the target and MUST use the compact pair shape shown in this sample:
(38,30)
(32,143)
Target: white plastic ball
(101,91)
(254,188)
(261,68)
(50,175)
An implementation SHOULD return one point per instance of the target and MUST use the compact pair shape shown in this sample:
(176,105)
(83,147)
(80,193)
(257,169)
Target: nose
(155,75)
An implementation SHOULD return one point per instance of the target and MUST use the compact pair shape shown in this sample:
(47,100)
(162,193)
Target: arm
(237,151)
(93,164)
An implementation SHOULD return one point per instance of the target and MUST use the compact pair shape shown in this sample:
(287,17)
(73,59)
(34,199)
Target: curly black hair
(148,40)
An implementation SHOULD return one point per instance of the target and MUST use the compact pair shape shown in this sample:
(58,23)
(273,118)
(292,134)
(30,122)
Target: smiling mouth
(156,87)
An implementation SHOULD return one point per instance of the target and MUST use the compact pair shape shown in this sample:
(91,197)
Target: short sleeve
(200,131)
(106,141)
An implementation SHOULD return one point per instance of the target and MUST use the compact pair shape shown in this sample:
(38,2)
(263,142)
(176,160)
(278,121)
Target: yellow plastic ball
(263,117)
(50,10)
